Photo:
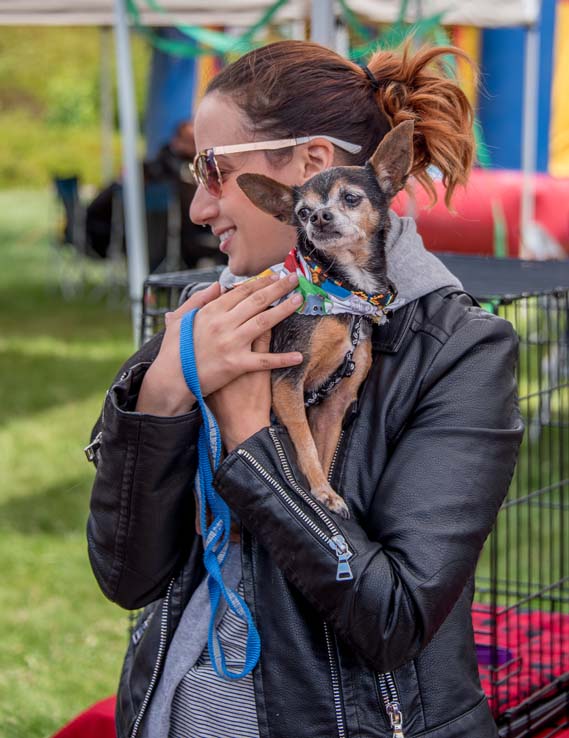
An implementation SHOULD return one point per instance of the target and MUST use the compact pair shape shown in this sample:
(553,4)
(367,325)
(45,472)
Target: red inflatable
(470,230)
(96,722)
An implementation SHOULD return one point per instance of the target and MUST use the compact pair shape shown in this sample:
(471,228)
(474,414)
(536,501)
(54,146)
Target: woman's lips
(225,243)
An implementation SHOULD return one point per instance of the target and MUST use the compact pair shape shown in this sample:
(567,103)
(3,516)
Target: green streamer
(221,42)
(354,23)
(203,41)
(500,246)
(482,152)
(395,35)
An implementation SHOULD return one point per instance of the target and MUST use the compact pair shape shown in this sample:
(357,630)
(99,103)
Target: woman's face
(256,240)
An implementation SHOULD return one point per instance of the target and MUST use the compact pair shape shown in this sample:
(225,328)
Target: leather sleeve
(432,510)
(142,509)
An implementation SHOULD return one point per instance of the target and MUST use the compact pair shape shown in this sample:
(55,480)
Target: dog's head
(341,210)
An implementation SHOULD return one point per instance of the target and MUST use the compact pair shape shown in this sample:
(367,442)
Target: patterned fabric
(325,296)
(208,706)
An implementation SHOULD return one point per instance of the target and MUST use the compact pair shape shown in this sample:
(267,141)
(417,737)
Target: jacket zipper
(93,447)
(330,637)
(386,681)
(332,537)
(158,663)
(337,542)
(392,703)
(335,674)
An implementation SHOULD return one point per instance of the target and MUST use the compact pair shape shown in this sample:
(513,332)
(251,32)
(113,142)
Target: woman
(424,461)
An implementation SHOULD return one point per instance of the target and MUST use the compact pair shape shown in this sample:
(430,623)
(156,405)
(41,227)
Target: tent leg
(529,136)
(322,21)
(137,250)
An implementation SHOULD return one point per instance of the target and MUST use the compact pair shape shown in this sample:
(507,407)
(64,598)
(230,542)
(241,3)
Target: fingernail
(274,277)
(299,358)
(296,299)
(293,278)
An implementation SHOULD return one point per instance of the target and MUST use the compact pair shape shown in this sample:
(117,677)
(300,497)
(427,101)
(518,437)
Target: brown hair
(299,88)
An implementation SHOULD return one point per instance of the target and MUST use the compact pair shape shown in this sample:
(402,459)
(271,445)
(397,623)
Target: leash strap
(215,535)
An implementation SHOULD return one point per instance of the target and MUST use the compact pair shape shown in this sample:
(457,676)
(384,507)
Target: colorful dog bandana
(326,296)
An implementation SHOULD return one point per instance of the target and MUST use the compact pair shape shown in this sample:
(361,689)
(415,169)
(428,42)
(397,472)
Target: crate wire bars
(521,608)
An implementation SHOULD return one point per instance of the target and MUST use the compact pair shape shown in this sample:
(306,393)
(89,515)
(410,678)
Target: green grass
(61,641)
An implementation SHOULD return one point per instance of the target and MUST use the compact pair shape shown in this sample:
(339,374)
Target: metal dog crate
(521,608)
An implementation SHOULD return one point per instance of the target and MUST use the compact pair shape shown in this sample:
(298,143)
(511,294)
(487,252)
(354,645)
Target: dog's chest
(323,341)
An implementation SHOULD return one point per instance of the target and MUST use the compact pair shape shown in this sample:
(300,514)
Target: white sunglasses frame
(280,143)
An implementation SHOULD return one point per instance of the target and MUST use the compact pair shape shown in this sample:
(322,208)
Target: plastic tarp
(483,13)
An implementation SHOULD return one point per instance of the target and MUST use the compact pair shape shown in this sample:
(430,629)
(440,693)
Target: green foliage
(50,103)
(32,153)
(71,102)
(61,641)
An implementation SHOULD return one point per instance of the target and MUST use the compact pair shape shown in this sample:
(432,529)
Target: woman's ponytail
(413,86)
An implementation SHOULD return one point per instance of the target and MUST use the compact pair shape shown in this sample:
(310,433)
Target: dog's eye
(303,213)
(352,199)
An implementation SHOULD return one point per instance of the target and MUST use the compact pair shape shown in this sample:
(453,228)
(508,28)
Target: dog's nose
(321,217)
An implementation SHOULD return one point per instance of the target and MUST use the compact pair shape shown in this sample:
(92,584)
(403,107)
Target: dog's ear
(269,195)
(393,158)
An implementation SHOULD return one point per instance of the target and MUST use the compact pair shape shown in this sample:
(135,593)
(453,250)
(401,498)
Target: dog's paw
(332,500)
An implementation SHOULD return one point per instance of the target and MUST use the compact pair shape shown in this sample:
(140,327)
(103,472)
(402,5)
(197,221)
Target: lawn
(61,642)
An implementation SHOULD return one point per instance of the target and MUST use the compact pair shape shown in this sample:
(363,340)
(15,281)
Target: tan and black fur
(342,219)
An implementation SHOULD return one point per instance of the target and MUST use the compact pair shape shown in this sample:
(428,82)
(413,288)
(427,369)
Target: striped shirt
(208,706)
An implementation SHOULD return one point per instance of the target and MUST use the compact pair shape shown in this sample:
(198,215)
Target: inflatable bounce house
(517,201)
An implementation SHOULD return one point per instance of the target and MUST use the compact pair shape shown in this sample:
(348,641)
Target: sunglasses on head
(205,169)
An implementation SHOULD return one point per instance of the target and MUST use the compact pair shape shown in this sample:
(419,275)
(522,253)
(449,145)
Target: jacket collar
(389,337)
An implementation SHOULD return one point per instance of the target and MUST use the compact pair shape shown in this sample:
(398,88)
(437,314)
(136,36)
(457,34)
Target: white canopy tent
(483,13)
(244,13)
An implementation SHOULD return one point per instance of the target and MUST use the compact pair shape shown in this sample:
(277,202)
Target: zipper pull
(340,547)
(93,447)
(396,719)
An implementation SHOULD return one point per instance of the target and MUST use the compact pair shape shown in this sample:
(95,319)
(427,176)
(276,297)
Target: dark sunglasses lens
(207,173)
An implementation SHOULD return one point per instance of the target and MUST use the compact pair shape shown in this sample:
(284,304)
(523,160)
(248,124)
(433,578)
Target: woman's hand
(243,406)
(224,332)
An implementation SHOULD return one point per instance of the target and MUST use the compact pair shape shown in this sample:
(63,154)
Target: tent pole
(529,135)
(322,21)
(137,251)
(106,106)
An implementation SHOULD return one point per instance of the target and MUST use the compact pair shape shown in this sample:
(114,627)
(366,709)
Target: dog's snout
(321,217)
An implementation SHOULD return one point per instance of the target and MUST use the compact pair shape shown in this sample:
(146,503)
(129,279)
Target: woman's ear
(316,156)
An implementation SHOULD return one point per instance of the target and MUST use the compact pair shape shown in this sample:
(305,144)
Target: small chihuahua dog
(342,220)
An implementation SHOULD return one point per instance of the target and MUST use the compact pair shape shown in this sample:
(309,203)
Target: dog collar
(324,295)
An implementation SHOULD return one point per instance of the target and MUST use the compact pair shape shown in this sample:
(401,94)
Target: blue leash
(216,535)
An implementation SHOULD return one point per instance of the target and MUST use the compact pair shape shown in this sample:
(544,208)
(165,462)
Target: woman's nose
(204,207)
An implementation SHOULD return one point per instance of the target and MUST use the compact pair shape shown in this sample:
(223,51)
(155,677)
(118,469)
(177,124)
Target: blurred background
(96,103)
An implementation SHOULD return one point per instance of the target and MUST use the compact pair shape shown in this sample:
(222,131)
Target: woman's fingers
(259,362)
(268,319)
(260,300)
(243,291)
(262,343)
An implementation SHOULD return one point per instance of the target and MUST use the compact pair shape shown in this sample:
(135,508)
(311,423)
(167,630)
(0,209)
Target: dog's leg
(288,404)
(326,419)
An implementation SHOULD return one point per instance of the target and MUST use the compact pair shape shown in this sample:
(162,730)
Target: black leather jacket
(424,462)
